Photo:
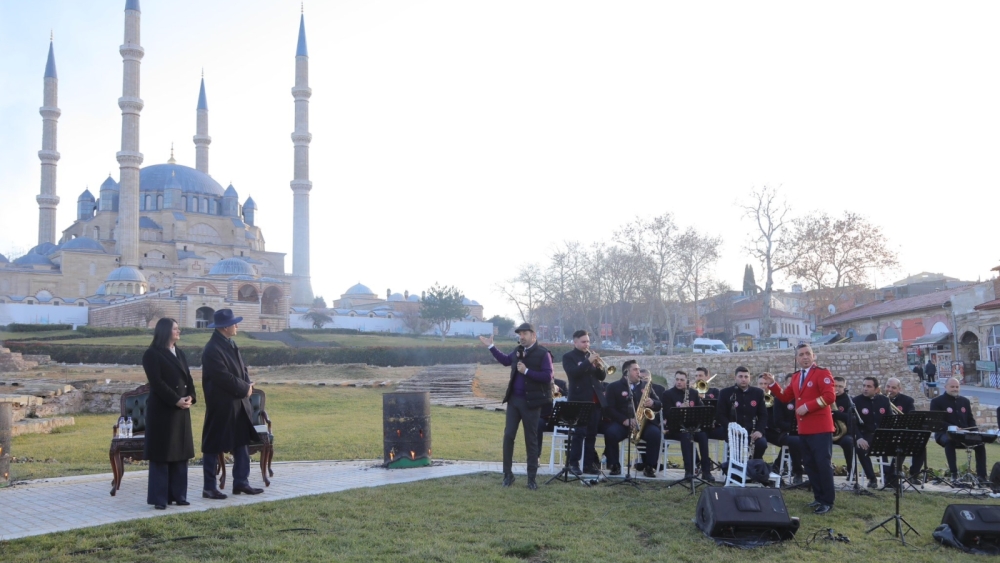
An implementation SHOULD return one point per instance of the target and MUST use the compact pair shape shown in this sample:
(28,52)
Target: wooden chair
(262,424)
(133,404)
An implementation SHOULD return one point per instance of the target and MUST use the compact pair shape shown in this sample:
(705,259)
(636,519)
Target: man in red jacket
(812,390)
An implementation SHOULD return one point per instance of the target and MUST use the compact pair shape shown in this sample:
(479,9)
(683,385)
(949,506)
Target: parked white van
(709,346)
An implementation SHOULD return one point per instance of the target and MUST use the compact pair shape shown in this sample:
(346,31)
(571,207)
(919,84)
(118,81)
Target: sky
(454,141)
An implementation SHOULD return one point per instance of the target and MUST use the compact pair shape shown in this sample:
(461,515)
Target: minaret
(47,199)
(301,286)
(129,158)
(201,138)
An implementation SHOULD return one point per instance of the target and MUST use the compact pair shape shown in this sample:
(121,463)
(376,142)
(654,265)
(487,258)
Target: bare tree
(696,254)
(558,281)
(773,242)
(525,291)
(414,322)
(148,310)
(847,249)
(654,242)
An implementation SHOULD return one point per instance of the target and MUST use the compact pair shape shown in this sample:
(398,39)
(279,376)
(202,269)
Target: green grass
(4,335)
(310,423)
(189,340)
(471,518)
(365,340)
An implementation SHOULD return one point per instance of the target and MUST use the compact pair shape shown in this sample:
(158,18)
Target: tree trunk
(6,430)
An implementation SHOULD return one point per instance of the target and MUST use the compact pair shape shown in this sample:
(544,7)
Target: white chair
(739,457)
(883,464)
(557,443)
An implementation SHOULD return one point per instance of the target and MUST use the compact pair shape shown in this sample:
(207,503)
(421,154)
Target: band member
(623,404)
(812,392)
(959,414)
(679,396)
(545,422)
(585,371)
(842,414)
(529,388)
(893,390)
(701,374)
(744,405)
(780,419)
(871,406)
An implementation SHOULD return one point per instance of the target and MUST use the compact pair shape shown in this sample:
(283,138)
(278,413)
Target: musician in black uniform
(871,408)
(545,422)
(622,398)
(744,404)
(893,391)
(585,374)
(959,414)
(842,414)
(701,374)
(679,396)
(780,419)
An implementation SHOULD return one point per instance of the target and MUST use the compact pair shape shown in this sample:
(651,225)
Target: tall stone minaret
(129,158)
(201,138)
(301,286)
(47,199)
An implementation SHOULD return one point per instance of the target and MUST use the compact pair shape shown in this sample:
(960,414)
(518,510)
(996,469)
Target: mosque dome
(157,177)
(102,289)
(126,274)
(231,192)
(358,289)
(109,184)
(232,267)
(83,244)
(414,299)
(397,297)
(249,204)
(32,259)
(86,196)
(44,249)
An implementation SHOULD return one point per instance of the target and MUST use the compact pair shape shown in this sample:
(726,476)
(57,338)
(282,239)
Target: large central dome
(157,177)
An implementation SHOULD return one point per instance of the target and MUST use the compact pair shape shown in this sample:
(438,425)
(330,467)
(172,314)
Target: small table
(120,449)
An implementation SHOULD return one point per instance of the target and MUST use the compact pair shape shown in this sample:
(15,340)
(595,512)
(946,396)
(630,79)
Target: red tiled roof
(995,304)
(891,307)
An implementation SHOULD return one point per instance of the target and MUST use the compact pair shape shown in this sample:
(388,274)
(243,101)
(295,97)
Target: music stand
(691,420)
(716,465)
(969,481)
(933,421)
(897,444)
(569,413)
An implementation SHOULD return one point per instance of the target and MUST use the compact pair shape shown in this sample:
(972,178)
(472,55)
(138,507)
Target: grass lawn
(187,340)
(4,335)
(366,340)
(471,518)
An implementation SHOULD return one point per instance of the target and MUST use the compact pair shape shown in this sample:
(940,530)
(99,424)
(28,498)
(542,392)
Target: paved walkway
(69,503)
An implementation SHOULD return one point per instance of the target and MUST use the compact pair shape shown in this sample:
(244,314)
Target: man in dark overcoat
(228,415)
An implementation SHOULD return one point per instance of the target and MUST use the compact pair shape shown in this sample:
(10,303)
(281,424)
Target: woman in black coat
(169,443)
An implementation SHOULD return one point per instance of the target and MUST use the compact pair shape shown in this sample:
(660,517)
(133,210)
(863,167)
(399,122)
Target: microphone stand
(853,419)
(628,479)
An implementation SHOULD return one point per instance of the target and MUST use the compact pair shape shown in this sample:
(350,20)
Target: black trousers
(168,482)
(794,450)
(615,433)
(846,444)
(241,468)
(817,449)
(949,446)
(518,414)
(581,441)
(722,433)
(686,439)
(864,458)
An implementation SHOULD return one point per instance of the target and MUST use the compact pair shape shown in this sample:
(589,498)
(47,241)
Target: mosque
(164,237)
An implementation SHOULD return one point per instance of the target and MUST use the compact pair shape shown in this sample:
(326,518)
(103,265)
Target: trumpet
(768,398)
(895,410)
(599,363)
(702,386)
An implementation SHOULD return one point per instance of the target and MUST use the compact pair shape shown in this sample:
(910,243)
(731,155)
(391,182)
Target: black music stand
(569,413)
(691,420)
(897,444)
(969,481)
(714,403)
(933,421)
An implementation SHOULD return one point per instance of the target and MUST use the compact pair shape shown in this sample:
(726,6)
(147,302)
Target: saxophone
(642,414)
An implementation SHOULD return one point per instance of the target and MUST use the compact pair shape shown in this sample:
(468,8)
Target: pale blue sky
(443,130)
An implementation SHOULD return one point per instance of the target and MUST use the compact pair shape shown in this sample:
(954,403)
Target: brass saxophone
(642,414)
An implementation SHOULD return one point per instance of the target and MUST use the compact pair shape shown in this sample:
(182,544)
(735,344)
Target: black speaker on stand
(750,513)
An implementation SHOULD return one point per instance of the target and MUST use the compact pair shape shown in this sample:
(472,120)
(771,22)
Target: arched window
(148,202)
(271,302)
(159,202)
(184,203)
(891,334)
(203,317)
(213,207)
(248,293)
(97,233)
(204,205)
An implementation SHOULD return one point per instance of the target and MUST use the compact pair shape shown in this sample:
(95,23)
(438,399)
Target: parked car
(709,346)
(633,349)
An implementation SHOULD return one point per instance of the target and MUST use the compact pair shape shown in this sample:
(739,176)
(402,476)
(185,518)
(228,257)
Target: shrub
(18,327)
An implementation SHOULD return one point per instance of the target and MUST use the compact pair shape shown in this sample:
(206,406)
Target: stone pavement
(69,503)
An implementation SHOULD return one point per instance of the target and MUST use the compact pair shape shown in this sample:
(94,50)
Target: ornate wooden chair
(133,404)
(262,424)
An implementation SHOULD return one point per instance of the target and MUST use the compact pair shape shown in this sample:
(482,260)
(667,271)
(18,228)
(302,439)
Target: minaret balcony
(50,112)
(302,92)
(48,157)
(131,52)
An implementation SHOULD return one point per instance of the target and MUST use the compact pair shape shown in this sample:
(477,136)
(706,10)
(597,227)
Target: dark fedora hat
(224,318)
(524,327)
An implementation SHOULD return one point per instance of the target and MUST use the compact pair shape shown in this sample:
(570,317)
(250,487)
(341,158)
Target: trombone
(702,386)
(599,363)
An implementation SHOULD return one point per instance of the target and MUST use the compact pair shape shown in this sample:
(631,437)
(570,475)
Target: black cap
(524,327)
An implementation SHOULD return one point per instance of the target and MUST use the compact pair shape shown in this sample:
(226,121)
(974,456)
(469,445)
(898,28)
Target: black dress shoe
(823,509)
(575,471)
(508,480)
(160,506)
(649,472)
(688,476)
(813,504)
(616,470)
(182,503)
(246,490)
(214,494)
(532,485)
(708,478)
(592,469)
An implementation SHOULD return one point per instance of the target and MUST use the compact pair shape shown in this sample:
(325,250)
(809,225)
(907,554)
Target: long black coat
(224,376)
(168,427)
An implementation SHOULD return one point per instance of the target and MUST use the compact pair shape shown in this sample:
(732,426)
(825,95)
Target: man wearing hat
(228,423)
(529,388)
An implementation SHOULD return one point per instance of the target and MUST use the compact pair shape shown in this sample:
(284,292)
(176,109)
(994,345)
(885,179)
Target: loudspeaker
(736,512)
(973,523)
